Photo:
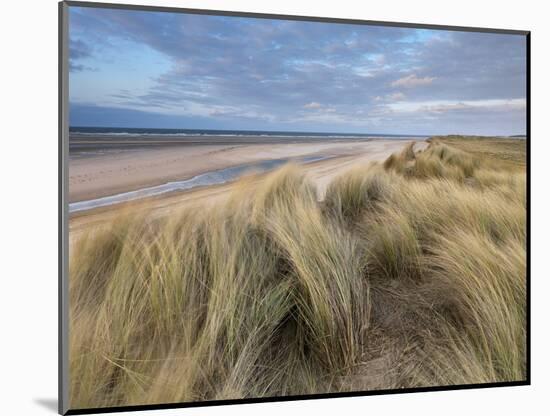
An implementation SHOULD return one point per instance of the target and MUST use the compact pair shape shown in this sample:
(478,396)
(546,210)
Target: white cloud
(393,97)
(396,96)
(445,106)
(411,81)
(313,105)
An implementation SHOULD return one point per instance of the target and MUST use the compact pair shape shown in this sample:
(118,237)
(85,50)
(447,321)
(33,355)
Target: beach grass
(409,273)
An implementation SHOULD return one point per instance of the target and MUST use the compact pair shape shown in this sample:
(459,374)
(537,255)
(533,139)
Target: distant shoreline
(81,143)
(104,169)
(223,132)
(86,141)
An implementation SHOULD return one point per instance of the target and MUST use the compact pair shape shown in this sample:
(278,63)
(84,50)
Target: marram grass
(409,273)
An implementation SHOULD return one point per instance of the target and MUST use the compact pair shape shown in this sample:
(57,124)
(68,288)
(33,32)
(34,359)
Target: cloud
(292,74)
(76,67)
(495,105)
(411,81)
(313,105)
(78,50)
(396,96)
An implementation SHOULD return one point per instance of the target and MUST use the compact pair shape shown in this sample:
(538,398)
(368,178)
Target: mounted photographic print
(262,207)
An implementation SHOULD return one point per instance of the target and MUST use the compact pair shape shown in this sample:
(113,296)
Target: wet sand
(124,171)
(94,174)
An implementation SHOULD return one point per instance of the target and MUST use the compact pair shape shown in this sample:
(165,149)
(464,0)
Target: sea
(96,141)
(138,132)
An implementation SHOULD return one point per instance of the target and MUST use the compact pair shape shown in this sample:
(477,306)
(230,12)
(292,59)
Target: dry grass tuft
(409,273)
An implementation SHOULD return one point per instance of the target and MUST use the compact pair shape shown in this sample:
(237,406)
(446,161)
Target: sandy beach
(113,172)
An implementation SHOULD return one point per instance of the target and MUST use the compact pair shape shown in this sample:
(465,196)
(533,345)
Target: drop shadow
(49,404)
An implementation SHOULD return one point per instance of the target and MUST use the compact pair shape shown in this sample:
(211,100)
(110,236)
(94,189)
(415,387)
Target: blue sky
(170,70)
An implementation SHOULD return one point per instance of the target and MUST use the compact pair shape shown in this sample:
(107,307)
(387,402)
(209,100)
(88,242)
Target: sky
(170,70)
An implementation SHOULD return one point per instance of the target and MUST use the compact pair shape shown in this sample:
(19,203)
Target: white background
(28,220)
